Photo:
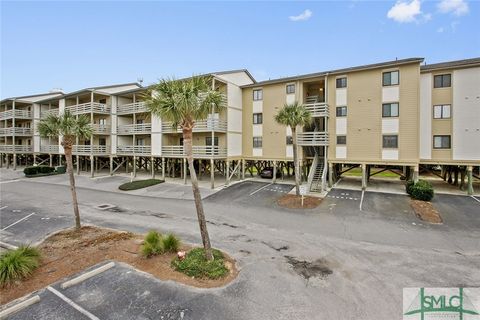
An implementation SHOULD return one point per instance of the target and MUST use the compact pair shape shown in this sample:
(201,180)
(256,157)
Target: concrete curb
(19,306)
(87,275)
(8,246)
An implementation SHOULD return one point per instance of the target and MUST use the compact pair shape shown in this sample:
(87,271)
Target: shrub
(18,264)
(152,244)
(409,187)
(139,184)
(422,190)
(196,265)
(28,171)
(171,243)
(45,169)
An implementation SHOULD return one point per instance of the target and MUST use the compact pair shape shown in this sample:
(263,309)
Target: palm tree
(183,102)
(68,127)
(293,115)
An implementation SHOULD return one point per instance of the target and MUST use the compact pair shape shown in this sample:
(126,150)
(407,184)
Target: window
(140,121)
(102,101)
(257,118)
(208,141)
(102,121)
(341,82)
(390,141)
(289,140)
(442,81)
(390,78)
(390,110)
(441,111)
(341,139)
(441,142)
(257,142)
(341,111)
(102,141)
(257,94)
(290,88)
(140,141)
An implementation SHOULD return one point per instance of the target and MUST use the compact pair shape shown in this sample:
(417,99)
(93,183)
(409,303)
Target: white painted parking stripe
(260,189)
(361,200)
(87,275)
(474,198)
(19,306)
(31,214)
(3,207)
(71,303)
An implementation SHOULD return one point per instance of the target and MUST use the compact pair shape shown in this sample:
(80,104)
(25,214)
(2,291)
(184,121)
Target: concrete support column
(92,166)
(7,158)
(34,159)
(163,168)
(274,178)
(415,173)
(185,170)
(364,176)
(134,166)
(50,160)
(152,165)
(14,161)
(470,180)
(1,160)
(330,174)
(212,174)
(243,169)
(78,165)
(227,172)
(111,165)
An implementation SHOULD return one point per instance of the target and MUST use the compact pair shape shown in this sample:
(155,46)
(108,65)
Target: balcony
(312,139)
(46,113)
(130,108)
(101,129)
(143,150)
(200,126)
(49,149)
(18,114)
(141,128)
(17,131)
(198,151)
(317,109)
(16,148)
(89,107)
(91,149)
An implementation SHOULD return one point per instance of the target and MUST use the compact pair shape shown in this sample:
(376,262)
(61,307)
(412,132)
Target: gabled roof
(338,71)
(99,88)
(34,97)
(465,63)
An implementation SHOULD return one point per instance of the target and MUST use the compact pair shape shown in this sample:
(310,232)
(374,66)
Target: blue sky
(72,45)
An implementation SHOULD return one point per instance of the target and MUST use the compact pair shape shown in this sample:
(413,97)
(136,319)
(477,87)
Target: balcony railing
(49,149)
(20,114)
(18,131)
(318,109)
(46,113)
(312,138)
(15,148)
(135,107)
(134,150)
(135,128)
(90,149)
(200,126)
(88,107)
(101,129)
(198,151)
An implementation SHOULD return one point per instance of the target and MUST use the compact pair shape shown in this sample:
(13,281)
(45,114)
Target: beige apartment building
(401,115)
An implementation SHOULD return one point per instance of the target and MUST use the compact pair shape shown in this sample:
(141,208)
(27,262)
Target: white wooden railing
(135,107)
(312,138)
(135,128)
(49,149)
(46,113)
(318,109)
(96,149)
(134,150)
(19,131)
(24,114)
(198,151)
(101,129)
(88,107)
(15,148)
(200,126)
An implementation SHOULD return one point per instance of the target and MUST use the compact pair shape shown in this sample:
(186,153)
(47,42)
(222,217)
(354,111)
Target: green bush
(171,243)
(28,171)
(196,265)
(18,264)
(409,187)
(45,169)
(139,184)
(422,190)
(152,244)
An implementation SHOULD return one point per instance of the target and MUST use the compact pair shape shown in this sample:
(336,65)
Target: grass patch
(152,244)
(139,184)
(18,264)
(196,265)
(171,243)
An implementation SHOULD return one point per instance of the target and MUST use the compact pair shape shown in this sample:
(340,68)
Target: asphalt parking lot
(122,292)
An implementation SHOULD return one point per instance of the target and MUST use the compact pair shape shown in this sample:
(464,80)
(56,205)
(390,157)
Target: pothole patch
(105,206)
(310,269)
(276,248)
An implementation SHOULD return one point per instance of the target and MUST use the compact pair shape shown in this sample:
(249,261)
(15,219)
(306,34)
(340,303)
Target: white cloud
(305,15)
(404,11)
(440,30)
(457,7)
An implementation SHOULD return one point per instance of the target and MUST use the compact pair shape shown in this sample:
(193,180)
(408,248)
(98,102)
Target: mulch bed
(69,252)
(426,212)
(292,201)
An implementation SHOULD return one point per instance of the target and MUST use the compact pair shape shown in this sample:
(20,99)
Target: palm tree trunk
(68,158)
(187,144)
(295,160)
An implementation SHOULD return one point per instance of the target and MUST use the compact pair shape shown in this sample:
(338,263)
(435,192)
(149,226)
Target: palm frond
(293,115)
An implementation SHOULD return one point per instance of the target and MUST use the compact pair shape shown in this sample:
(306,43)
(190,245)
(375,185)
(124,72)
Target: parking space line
(87,275)
(19,306)
(31,214)
(3,207)
(475,198)
(361,200)
(260,189)
(71,303)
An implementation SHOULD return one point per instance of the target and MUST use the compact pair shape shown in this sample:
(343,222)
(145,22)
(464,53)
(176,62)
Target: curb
(19,306)
(87,275)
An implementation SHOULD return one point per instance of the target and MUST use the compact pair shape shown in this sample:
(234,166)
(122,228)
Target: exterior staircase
(317,176)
